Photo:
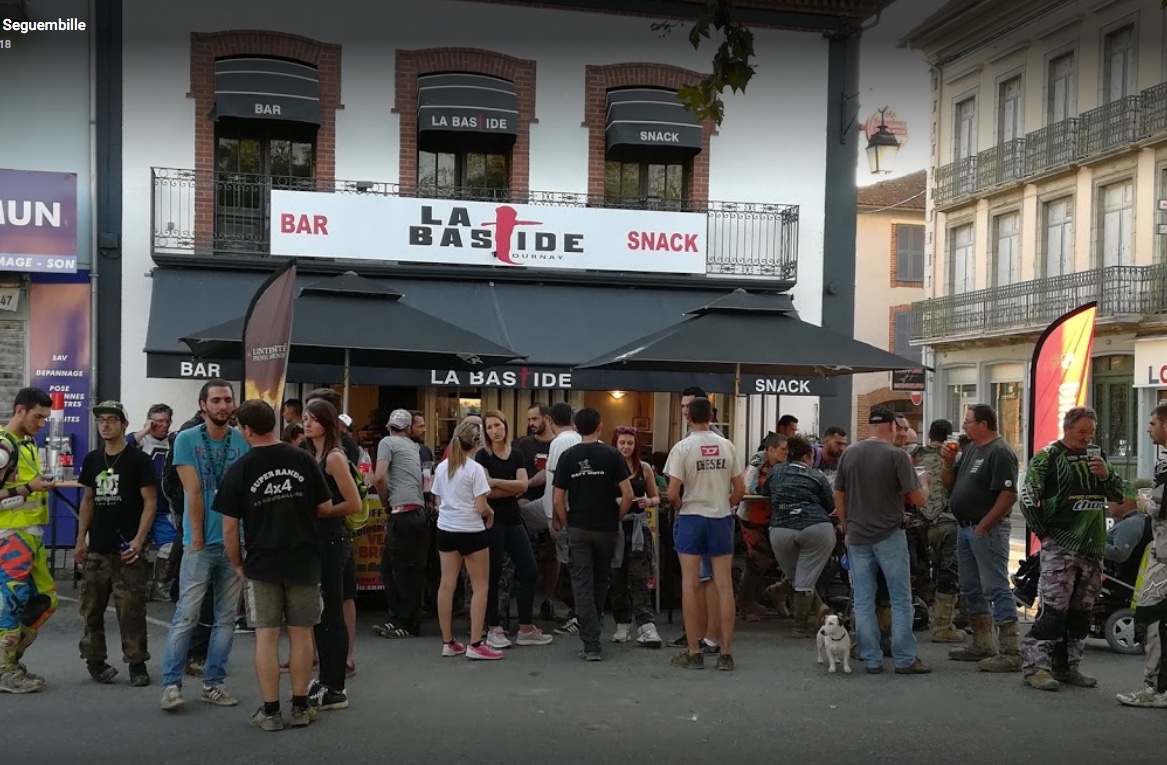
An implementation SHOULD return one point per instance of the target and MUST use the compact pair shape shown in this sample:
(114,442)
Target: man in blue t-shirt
(202,455)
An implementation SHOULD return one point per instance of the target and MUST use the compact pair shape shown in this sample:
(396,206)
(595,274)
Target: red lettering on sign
(659,241)
(303,224)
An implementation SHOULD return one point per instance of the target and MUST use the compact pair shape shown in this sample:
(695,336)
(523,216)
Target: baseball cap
(348,421)
(111,407)
(400,419)
(881,415)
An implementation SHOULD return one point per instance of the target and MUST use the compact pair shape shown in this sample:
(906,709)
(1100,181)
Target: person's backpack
(171,482)
(357,520)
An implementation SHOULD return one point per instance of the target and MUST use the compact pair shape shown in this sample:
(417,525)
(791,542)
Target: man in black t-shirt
(593,480)
(117,512)
(535,447)
(277,491)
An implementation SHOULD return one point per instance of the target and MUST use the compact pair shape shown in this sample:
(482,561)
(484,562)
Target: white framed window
(1118,64)
(1063,88)
(1116,239)
(962,271)
(1009,111)
(965,135)
(1007,249)
(1059,237)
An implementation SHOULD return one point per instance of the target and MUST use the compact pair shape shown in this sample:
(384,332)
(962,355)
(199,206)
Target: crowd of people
(263,522)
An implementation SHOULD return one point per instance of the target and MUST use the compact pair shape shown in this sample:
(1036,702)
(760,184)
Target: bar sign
(1161,228)
(1163,205)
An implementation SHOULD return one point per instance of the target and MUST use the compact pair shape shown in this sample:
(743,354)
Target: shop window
(1114,401)
(960,398)
(454,404)
(1007,401)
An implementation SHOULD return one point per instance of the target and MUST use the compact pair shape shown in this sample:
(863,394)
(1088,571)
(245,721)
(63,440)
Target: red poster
(1061,378)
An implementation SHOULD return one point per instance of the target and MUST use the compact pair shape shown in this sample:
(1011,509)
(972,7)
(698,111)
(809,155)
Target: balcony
(225,215)
(1098,133)
(1001,164)
(1109,127)
(1031,306)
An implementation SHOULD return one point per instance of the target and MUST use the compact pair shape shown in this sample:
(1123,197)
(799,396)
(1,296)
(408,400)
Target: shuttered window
(909,253)
(903,337)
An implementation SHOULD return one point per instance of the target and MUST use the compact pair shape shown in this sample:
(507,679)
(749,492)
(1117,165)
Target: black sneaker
(101,672)
(591,654)
(334,700)
(139,677)
(569,627)
(316,691)
(707,647)
(547,611)
(680,642)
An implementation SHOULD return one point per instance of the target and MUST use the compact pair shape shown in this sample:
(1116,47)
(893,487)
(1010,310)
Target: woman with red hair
(632,563)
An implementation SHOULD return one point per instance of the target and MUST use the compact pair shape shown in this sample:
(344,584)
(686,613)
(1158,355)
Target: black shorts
(350,578)
(462,542)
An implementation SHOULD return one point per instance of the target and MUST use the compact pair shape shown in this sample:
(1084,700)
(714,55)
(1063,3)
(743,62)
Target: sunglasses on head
(626,430)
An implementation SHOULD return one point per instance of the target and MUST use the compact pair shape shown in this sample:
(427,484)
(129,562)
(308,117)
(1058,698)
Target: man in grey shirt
(873,482)
(398,484)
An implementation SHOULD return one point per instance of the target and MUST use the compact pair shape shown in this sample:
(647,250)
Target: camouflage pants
(1068,586)
(1151,624)
(932,547)
(759,562)
(101,577)
(631,598)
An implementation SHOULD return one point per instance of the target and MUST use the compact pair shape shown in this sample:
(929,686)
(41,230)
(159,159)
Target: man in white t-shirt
(707,466)
(565,438)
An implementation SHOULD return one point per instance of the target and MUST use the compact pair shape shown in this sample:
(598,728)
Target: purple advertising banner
(58,360)
(38,221)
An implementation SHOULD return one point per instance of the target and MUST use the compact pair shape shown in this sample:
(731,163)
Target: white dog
(835,642)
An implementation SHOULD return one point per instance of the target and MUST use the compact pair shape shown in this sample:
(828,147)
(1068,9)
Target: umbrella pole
(737,380)
(347,376)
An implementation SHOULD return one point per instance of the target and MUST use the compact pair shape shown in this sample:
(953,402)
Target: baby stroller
(1113,616)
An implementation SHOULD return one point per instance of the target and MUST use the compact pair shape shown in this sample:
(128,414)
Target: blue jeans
(984,572)
(891,557)
(206,567)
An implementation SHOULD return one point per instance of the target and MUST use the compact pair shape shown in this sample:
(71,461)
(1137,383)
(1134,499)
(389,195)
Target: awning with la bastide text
(466,103)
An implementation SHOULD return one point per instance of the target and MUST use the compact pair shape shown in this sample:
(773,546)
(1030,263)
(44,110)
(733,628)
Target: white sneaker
(648,636)
(172,698)
(1148,698)
(534,637)
(623,633)
(497,639)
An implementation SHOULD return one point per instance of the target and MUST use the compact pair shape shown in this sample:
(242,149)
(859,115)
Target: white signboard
(360,227)
(1151,362)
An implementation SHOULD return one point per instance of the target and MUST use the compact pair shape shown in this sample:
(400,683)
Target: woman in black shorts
(321,428)
(460,489)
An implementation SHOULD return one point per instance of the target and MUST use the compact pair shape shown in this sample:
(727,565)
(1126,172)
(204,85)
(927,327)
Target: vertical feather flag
(1060,379)
(267,335)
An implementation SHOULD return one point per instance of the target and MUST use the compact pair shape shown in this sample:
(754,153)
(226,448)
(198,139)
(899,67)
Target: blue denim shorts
(698,535)
(705,573)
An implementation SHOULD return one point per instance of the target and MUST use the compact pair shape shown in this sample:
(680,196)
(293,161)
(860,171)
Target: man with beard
(202,455)
(1151,612)
(30,594)
(826,456)
(535,447)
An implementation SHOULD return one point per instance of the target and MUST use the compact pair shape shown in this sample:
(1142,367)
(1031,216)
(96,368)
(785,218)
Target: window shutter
(903,337)
(909,253)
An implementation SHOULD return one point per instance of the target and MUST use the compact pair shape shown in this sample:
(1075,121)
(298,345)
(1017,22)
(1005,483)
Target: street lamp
(882,148)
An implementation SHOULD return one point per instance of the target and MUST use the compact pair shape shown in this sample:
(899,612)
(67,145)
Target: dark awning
(651,117)
(467,103)
(266,88)
(568,331)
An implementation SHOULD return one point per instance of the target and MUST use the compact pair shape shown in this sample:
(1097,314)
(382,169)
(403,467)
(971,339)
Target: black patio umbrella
(750,334)
(349,320)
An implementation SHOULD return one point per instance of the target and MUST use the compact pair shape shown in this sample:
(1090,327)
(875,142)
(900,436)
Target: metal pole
(347,375)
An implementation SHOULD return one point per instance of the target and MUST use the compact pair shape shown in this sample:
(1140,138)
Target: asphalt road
(411,706)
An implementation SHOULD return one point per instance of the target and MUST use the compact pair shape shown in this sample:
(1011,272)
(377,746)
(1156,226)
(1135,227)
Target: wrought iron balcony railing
(1119,290)
(1111,126)
(218,214)
(956,180)
(1004,163)
(1153,111)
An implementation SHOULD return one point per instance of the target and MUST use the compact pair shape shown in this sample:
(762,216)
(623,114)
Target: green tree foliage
(732,61)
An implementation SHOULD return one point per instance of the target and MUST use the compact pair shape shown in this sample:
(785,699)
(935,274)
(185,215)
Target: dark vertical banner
(267,331)
(1060,379)
(59,362)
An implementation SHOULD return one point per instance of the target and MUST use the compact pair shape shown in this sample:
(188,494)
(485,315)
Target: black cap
(881,415)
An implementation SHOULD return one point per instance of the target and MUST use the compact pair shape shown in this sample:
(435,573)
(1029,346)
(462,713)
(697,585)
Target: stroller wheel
(1120,632)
